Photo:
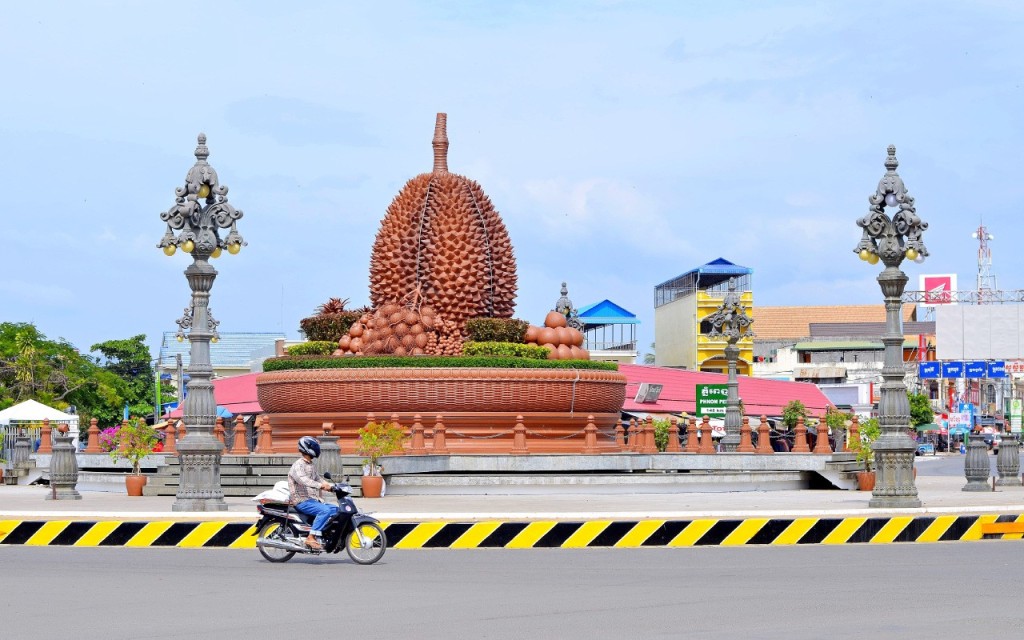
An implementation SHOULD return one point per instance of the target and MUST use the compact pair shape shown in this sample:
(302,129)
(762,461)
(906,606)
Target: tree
(792,412)
(920,409)
(649,357)
(129,360)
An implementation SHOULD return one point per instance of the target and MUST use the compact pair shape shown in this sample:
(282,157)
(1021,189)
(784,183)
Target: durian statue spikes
(442,236)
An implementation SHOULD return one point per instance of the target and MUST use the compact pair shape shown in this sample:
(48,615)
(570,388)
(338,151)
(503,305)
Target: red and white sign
(1014,366)
(938,289)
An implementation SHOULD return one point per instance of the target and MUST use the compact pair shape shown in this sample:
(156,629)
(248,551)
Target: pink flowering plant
(135,440)
(108,437)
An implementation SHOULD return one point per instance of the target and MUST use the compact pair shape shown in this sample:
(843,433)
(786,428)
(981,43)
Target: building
(838,348)
(232,355)
(681,308)
(609,332)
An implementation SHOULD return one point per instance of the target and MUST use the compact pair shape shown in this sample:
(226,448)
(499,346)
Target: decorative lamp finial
(441,144)
(890,161)
(202,152)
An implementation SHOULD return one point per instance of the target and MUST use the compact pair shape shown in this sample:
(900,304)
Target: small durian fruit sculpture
(443,238)
(562,342)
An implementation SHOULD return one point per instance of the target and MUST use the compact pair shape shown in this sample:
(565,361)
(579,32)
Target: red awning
(237,394)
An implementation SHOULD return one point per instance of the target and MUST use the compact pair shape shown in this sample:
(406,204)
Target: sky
(623,143)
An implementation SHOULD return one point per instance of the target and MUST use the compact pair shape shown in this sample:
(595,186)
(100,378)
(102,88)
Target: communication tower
(986,280)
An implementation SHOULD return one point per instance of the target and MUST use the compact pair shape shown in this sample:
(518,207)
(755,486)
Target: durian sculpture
(443,244)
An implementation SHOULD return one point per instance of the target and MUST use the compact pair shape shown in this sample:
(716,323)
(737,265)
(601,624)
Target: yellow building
(681,308)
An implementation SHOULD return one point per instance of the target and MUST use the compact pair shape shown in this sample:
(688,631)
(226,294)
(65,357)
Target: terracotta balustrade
(519,437)
(239,446)
(764,438)
(620,440)
(93,445)
(800,440)
(673,437)
(821,443)
(440,446)
(692,442)
(417,445)
(170,446)
(746,445)
(590,436)
(707,444)
(45,438)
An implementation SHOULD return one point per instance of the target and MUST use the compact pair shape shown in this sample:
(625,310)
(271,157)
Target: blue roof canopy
(606,312)
(714,272)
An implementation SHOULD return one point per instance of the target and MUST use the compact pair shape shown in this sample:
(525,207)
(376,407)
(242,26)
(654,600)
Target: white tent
(31,412)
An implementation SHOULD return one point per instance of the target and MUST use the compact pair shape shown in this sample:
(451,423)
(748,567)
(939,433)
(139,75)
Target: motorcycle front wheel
(274,531)
(371,547)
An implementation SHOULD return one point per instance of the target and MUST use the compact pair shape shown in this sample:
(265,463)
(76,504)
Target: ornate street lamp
(200,210)
(892,240)
(731,320)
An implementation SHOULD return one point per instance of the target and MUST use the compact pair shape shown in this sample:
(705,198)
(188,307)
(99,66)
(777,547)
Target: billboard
(979,332)
(938,289)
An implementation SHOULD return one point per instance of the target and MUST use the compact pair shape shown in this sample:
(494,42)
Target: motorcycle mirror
(327,475)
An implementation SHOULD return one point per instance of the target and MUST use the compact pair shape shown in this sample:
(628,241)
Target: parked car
(993,440)
(925,448)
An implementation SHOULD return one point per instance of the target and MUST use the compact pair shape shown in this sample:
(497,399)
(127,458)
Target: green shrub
(329,327)
(510,349)
(313,348)
(362,362)
(496,329)
(661,433)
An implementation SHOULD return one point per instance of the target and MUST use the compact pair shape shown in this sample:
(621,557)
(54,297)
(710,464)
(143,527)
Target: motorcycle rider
(304,486)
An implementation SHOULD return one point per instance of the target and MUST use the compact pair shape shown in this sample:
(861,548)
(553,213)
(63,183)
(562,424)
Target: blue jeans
(321,511)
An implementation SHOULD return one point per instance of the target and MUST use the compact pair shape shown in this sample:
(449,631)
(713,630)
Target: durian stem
(441,144)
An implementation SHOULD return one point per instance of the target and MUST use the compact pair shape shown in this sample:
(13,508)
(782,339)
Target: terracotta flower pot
(866,480)
(372,486)
(134,484)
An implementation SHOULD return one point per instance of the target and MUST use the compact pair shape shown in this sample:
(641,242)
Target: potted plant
(133,442)
(869,432)
(377,439)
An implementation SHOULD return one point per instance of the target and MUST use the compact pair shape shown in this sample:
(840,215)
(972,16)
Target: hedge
(365,362)
(330,327)
(313,348)
(509,349)
(496,329)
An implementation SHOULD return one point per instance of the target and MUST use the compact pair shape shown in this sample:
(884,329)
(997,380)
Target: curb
(512,534)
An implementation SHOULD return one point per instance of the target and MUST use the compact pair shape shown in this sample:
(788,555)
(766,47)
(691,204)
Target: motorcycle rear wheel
(274,531)
(376,543)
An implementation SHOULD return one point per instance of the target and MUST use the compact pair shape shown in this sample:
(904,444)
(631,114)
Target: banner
(1016,410)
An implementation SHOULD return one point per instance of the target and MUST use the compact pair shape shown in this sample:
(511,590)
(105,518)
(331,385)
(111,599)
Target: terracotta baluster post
(764,438)
(266,437)
(218,430)
(170,446)
(692,444)
(631,434)
(418,446)
(238,447)
(407,432)
(673,437)
(45,438)
(181,429)
(123,445)
(440,446)
(93,446)
(746,445)
(821,444)
(800,441)
(620,440)
(707,444)
(649,445)
(519,437)
(590,436)
(854,432)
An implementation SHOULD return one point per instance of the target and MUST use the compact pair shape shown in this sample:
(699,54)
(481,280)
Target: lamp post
(200,210)
(731,321)
(892,240)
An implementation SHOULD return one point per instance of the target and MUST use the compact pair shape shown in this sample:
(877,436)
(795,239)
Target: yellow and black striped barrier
(532,534)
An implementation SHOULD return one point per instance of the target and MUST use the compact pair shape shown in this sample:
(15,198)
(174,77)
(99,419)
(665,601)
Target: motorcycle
(282,530)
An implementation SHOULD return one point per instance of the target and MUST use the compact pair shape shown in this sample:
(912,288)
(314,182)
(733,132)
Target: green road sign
(711,399)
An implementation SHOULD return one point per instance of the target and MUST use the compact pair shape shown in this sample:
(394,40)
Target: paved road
(898,591)
(947,465)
